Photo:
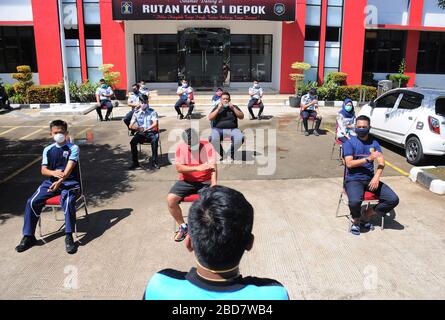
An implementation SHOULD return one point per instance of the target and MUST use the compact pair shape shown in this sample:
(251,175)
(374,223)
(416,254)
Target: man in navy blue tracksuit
(59,165)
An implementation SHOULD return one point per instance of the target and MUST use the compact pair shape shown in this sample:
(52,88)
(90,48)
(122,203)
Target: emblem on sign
(126,7)
(279,9)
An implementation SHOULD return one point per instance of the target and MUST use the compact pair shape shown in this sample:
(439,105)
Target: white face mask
(59,138)
(194,147)
(256,86)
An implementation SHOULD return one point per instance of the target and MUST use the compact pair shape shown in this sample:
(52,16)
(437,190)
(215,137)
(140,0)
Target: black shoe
(70,246)
(107,119)
(181,116)
(253,118)
(134,166)
(316,133)
(188,117)
(156,165)
(26,243)
(306,133)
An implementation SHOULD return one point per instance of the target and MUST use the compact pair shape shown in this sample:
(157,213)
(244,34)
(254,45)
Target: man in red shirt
(196,165)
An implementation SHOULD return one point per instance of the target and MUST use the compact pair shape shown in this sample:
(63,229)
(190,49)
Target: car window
(440,107)
(387,101)
(411,100)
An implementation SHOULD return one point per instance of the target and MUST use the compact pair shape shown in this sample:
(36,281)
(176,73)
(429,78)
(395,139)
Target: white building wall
(389,11)
(433,16)
(16,10)
(236,27)
(436,81)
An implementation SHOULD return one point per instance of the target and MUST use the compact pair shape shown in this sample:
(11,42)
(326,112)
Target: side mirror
(372,104)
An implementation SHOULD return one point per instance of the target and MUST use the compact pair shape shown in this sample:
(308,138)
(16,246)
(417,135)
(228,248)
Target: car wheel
(414,151)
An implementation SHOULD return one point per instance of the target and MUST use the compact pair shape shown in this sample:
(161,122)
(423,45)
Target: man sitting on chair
(145,123)
(184,98)
(360,153)
(103,98)
(59,164)
(256,97)
(196,165)
(309,108)
(224,118)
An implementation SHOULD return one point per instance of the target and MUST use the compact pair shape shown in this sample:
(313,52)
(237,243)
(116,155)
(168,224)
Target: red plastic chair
(191,198)
(339,143)
(300,121)
(369,198)
(54,204)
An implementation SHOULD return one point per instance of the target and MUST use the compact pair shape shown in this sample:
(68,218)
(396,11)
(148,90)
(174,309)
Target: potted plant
(301,67)
(112,78)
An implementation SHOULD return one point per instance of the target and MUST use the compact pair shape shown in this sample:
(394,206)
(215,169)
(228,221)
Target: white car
(413,118)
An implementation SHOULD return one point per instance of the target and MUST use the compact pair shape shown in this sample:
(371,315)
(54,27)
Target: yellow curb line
(21,170)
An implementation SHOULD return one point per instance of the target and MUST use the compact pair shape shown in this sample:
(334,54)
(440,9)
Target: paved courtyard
(298,240)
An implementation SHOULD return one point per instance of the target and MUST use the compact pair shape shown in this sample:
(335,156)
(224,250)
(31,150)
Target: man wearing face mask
(103,98)
(216,99)
(145,123)
(360,153)
(184,92)
(309,108)
(256,97)
(133,102)
(196,165)
(59,165)
(224,119)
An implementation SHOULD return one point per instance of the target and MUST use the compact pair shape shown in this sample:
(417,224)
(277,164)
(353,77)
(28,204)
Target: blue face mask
(362,132)
(185,85)
(104,86)
(349,108)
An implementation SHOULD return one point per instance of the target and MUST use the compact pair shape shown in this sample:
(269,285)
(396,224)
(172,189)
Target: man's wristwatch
(368,160)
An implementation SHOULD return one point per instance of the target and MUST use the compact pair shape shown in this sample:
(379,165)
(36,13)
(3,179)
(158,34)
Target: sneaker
(181,233)
(26,243)
(134,166)
(156,165)
(316,133)
(181,116)
(306,133)
(70,246)
(355,229)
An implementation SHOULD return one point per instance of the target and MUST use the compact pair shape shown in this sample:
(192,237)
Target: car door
(379,114)
(400,120)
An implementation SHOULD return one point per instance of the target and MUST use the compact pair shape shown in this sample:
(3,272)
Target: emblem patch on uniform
(66,154)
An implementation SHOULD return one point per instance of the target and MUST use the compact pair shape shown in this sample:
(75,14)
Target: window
(333,36)
(156,57)
(91,11)
(384,50)
(431,54)
(440,107)
(312,33)
(388,101)
(411,100)
(251,57)
(17,47)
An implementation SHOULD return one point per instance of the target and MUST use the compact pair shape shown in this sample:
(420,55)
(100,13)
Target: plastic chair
(184,106)
(54,204)
(159,142)
(369,198)
(111,117)
(337,142)
(300,121)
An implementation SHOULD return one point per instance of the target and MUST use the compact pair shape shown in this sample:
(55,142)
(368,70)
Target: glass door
(204,56)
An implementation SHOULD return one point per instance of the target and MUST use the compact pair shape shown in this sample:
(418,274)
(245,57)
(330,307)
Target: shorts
(185,188)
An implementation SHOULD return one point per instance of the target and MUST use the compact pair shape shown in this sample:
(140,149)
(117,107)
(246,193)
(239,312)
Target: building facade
(224,42)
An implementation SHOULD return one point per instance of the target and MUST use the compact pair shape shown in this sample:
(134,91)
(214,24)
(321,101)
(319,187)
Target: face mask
(256,86)
(104,86)
(362,132)
(59,138)
(185,85)
(194,147)
(348,108)
(226,105)
(144,107)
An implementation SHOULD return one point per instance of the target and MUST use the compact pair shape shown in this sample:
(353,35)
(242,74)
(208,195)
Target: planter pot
(120,94)
(294,102)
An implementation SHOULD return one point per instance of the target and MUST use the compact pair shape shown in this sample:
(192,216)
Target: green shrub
(337,77)
(353,92)
(327,91)
(85,92)
(24,78)
(17,98)
(9,89)
(46,94)
(304,87)
(24,69)
(400,80)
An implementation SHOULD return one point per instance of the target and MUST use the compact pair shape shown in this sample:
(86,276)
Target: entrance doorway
(204,57)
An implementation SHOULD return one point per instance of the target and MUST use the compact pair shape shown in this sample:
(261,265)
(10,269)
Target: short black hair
(313,91)
(190,135)
(363,118)
(136,85)
(225,93)
(143,98)
(58,123)
(220,227)
(102,80)
(255,80)
(219,89)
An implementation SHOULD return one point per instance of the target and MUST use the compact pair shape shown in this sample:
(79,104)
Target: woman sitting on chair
(346,121)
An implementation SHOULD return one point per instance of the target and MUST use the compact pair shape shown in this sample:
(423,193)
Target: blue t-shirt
(359,149)
(170,284)
(56,157)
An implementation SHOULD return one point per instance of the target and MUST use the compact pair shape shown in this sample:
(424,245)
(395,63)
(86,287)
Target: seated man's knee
(172,200)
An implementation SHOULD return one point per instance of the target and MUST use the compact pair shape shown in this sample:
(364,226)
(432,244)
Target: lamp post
(62,47)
